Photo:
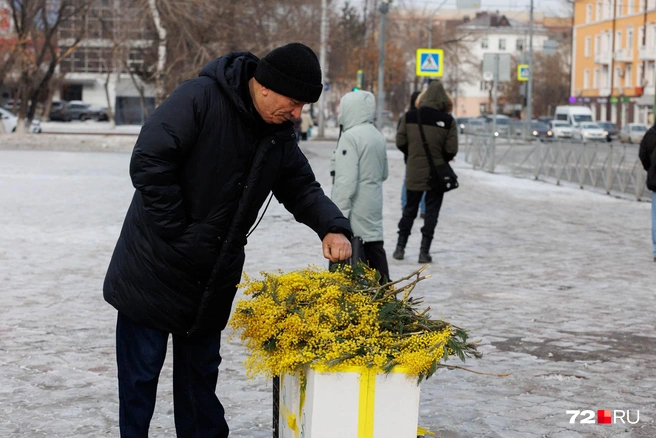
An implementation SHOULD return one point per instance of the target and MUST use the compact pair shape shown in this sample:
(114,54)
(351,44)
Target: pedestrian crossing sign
(430,62)
(522,72)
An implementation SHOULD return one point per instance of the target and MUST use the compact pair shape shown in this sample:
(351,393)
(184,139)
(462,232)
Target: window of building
(617,78)
(597,45)
(641,35)
(630,7)
(484,43)
(609,11)
(586,79)
(502,44)
(628,76)
(595,78)
(620,8)
(598,11)
(519,45)
(588,41)
(588,13)
(618,41)
(639,75)
(629,38)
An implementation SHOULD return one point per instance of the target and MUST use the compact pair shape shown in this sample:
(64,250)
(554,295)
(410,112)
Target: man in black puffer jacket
(646,154)
(203,165)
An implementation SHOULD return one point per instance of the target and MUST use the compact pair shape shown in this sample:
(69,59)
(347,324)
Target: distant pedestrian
(306,123)
(360,169)
(297,127)
(646,154)
(203,166)
(441,133)
(404,193)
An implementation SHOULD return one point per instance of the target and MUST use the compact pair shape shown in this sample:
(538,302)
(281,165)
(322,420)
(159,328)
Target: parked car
(98,113)
(612,130)
(503,125)
(475,125)
(462,124)
(588,131)
(10,120)
(561,129)
(78,110)
(633,132)
(59,111)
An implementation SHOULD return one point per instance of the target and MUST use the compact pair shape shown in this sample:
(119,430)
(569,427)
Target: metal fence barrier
(610,167)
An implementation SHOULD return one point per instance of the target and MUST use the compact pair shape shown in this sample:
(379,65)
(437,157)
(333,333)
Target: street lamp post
(324,65)
(529,87)
(383,8)
(430,24)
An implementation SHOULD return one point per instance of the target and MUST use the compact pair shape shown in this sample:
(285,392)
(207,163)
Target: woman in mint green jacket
(360,162)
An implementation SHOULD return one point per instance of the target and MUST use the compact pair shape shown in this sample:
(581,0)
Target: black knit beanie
(293,71)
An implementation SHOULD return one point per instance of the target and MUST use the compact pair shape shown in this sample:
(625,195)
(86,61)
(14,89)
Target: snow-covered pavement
(557,283)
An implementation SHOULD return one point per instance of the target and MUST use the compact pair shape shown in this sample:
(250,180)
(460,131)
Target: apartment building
(614,52)
(117,37)
(492,33)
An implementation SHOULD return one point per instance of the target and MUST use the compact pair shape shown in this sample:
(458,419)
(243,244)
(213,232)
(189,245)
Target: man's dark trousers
(140,354)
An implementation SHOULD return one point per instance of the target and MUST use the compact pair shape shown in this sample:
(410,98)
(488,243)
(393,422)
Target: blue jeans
(653,221)
(404,200)
(140,354)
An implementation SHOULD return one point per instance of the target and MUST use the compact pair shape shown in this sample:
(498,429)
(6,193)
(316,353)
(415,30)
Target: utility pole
(383,8)
(495,92)
(324,64)
(529,87)
(430,24)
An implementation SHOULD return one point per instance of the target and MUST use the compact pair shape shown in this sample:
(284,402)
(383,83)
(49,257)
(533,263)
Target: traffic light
(358,80)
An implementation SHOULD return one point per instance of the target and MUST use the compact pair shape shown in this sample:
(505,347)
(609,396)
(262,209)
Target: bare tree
(161,52)
(36,23)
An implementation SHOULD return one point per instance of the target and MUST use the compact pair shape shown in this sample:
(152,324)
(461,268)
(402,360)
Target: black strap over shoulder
(425,143)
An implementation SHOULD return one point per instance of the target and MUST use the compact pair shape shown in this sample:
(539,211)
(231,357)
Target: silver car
(588,131)
(10,120)
(632,132)
(561,129)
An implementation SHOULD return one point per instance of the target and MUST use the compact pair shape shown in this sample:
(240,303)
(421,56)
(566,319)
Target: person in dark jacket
(442,138)
(404,192)
(646,154)
(203,165)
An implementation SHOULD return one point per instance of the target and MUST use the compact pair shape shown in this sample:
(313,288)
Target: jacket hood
(355,108)
(413,99)
(232,72)
(436,97)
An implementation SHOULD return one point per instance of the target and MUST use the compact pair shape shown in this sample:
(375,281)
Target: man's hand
(336,247)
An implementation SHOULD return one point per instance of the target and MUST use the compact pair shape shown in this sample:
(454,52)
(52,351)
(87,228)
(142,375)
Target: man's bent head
(286,79)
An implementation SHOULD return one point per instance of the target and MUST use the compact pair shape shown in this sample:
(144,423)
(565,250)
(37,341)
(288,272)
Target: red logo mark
(604,416)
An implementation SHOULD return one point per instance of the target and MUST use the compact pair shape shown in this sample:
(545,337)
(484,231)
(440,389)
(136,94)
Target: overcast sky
(551,7)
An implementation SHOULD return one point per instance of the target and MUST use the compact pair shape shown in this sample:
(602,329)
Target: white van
(574,115)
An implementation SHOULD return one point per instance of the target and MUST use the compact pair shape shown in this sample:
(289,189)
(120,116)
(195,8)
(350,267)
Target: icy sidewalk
(558,284)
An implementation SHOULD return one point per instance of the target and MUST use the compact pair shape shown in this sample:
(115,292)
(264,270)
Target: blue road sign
(430,62)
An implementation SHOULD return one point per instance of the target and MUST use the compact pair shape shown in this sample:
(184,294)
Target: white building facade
(490,33)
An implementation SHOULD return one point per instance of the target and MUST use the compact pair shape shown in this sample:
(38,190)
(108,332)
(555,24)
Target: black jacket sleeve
(301,194)
(647,146)
(161,149)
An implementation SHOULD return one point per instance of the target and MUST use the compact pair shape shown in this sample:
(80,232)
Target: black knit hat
(293,71)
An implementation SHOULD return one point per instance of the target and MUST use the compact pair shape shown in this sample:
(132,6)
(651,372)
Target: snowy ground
(558,283)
